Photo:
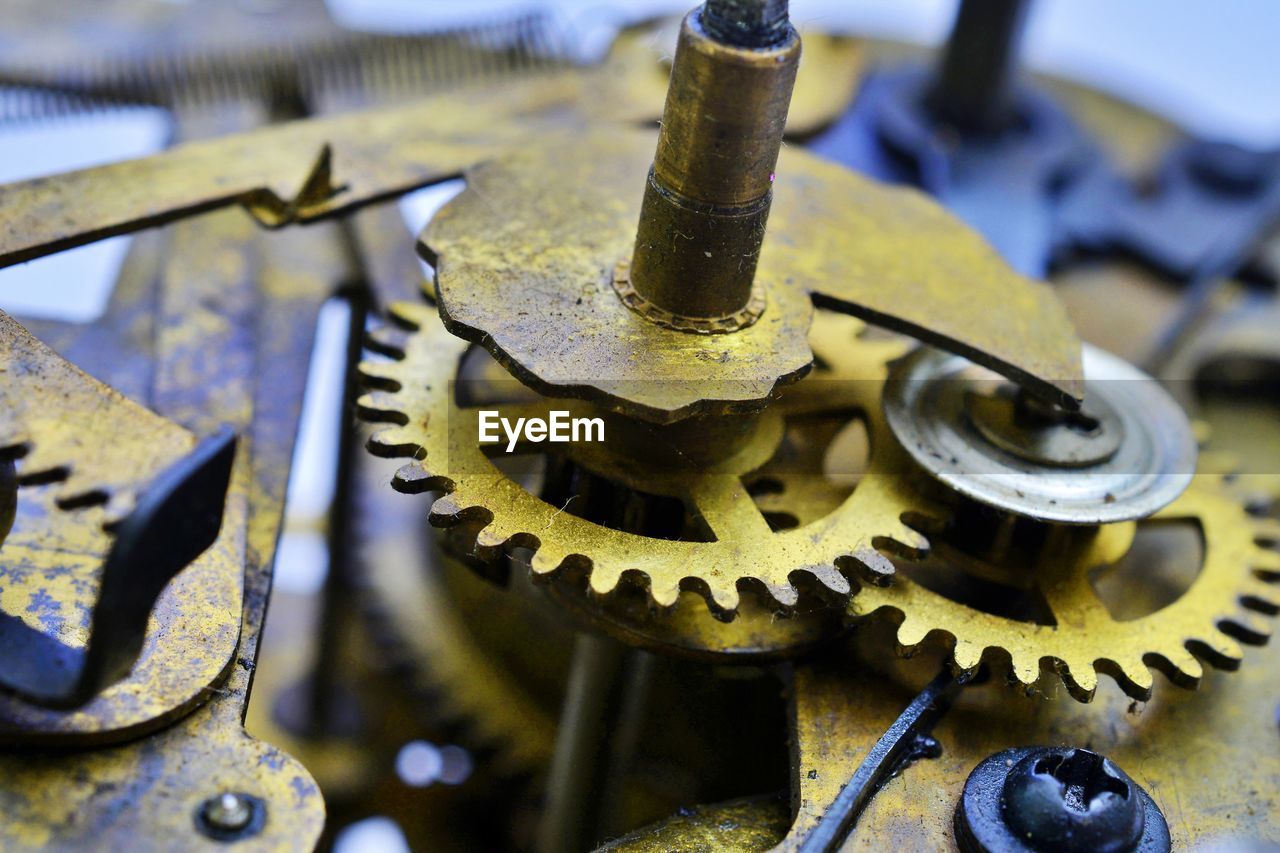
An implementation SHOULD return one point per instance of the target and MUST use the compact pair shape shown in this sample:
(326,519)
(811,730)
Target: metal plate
(527,252)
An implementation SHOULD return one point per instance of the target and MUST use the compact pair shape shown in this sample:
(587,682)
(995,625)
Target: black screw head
(1072,801)
(1056,800)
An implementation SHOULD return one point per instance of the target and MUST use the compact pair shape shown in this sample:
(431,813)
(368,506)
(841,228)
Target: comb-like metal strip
(372,67)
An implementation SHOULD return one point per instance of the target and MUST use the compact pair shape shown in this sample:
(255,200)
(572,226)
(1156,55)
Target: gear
(1208,621)
(745,551)
(1223,605)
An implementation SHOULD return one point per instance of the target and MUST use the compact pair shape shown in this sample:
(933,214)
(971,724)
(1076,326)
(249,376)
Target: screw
(747,23)
(230,815)
(1057,800)
(1071,800)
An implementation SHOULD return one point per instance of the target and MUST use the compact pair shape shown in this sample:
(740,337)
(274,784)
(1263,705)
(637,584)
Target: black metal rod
(882,761)
(595,741)
(973,87)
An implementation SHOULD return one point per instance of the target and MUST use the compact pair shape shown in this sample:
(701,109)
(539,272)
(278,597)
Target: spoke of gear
(746,553)
(1222,608)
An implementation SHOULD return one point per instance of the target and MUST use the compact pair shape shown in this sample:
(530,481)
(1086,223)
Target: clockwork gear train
(881,544)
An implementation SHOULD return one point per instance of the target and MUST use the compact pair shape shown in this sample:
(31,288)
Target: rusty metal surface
(68,427)
(112,446)
(255,301)
(144,795)
(177,517)
(1174,746)
(741,825)
(146,792)
(287,173)
(527,251)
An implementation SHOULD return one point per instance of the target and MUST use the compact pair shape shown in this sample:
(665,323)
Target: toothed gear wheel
(746,552)
(1223,607)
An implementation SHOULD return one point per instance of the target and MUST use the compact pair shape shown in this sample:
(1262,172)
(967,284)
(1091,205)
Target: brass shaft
(707,198)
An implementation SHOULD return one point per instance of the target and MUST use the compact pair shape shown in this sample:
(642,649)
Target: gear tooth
(409,315)
(1081,680)
(604,579)
(490,543)
(911,539)
(911,633)
(832,579)
(545,561)
(400,436)
(1248,628)
(1218,650)
(412,479)
(723,599)
(1266,564)
(967,655)
(382,373)
(783,593)
(665,596)
(1132,675)
(393,442)
(1266,531)
(386,340)
(870,566)
(1261,598)
(1179,666)
(381,407)
(1229,649)
(444,509)
(1025,668)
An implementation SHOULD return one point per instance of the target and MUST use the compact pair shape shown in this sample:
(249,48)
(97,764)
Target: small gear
(1222,607)
(744,551)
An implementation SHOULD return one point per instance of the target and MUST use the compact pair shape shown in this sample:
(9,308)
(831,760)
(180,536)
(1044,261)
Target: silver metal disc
(1148,449)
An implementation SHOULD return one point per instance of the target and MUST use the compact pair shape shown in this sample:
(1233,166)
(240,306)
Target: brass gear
(441,438)
(1223,606)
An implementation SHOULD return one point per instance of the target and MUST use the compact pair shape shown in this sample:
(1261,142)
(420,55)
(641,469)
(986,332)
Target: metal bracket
(176,518)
